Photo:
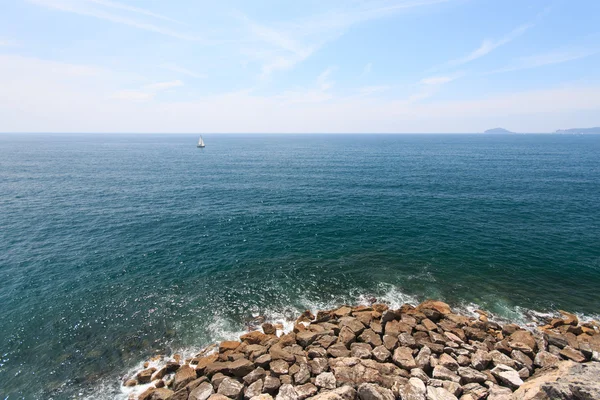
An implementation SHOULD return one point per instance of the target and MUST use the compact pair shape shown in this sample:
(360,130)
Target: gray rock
(305,391)
(475,390)
(381,354)
(499,393)
(420,374)
(522,359)
(480,360)
(507,375)
(566,380)
(545,359)
(231,388)
(422,359)
(452,387)
(279,367)
(318,365)
(499,358)
(202,392)
(370,391)
(414,390)
(360,350)
(255,389)
(264,396)
(437,393)
(441,372)
(263,361)
(407,340)
(258,373)
(470,375)
(326,380)
(303,375)
(271,384)
(287,392)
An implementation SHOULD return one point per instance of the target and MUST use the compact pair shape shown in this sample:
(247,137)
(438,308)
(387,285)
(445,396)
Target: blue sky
(298,66)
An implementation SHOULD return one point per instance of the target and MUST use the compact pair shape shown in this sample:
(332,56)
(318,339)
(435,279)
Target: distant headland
(575,131)
(497,131)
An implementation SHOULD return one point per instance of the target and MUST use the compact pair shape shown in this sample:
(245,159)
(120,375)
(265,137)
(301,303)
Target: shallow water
(113,248)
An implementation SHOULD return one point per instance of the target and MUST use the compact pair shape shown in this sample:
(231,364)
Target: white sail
(201,142)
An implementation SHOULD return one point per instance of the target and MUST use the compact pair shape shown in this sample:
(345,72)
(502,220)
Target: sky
(279,66)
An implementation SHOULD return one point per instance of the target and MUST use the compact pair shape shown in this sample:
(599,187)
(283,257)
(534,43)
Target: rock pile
(376,353)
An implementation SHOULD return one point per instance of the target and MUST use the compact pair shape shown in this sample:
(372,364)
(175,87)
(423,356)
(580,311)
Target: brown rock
(434,309)
(161,394)
(370,337)
(342,311)
(346,336)
(448,362)
(145,376)
(570,353)
(352,323)
(338,350)
(525,337)
(228,345)
(184,375)
(202,362)
(279,367)
(390,342)
(255,337)
(404,359)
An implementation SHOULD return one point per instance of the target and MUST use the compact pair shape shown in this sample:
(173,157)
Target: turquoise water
(115,247)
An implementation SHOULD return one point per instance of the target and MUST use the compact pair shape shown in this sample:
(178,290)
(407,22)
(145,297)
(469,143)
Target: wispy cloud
(367,69)
(437,80)
(550,58)
(489,45)
(182,70)
(147,92)
(291,43)
(137,10)
(83,8)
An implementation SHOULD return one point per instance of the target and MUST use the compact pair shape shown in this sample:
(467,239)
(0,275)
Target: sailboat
(201,143)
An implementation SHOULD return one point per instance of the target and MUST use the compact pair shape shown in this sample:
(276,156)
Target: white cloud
(163,85)
(133,95)
(42,96)
(182,70)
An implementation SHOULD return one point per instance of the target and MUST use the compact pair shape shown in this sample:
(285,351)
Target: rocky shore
(376,353)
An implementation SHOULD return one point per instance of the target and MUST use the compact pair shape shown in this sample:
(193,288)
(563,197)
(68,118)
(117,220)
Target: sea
(115,248)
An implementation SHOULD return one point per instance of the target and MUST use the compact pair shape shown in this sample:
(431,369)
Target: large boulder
(565,380)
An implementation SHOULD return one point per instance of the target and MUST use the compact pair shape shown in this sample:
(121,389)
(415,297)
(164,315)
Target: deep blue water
(114,247)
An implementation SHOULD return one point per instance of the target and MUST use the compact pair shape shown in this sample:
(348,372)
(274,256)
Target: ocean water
(117,247)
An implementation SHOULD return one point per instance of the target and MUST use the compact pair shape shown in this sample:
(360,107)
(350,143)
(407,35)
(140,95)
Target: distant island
(576,131)
(497,131)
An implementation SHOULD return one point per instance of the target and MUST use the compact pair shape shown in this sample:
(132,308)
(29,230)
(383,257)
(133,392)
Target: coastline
(375,352)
